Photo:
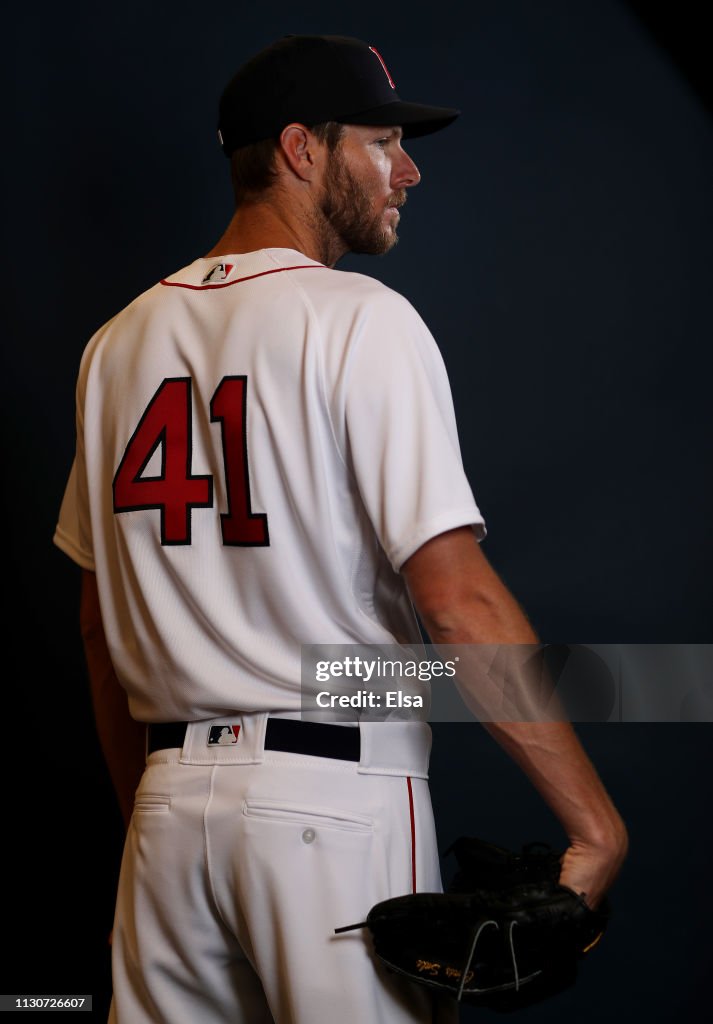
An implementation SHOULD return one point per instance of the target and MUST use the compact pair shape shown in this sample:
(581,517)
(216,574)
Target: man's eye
(381,142)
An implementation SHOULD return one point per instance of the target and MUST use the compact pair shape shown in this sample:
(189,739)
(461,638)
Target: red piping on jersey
(239,280)
(413,833)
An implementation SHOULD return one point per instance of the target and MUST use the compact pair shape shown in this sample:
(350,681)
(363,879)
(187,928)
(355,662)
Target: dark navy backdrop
(559,247)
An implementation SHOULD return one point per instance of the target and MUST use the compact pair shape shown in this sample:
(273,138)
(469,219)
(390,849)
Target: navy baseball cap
(311,79)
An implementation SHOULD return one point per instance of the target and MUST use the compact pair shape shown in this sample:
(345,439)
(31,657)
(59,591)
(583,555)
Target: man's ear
(301,151)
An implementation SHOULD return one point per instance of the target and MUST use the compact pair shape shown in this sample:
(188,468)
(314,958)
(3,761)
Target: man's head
(357,176)
(320,116)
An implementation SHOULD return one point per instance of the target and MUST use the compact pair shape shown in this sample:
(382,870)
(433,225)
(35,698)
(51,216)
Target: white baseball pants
(239,864)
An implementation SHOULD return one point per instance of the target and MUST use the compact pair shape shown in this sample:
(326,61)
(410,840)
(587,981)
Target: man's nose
(405,172)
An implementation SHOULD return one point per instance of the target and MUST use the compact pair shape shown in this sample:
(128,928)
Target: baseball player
(267,456)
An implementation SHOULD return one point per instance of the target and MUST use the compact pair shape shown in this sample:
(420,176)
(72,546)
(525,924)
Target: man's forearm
(500,679)
(463,602)
(121,737)
(506,675)
(554,760)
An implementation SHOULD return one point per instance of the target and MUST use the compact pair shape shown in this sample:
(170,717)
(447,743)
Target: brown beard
(347,209)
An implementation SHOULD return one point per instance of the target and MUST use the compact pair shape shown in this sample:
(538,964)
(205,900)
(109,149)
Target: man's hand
(590,869)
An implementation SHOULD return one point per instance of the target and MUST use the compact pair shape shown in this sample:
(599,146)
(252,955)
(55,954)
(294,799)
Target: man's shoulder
(153,296)
(352,291)
(140,308)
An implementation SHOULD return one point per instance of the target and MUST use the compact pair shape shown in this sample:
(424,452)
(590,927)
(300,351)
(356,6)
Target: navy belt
(287,734)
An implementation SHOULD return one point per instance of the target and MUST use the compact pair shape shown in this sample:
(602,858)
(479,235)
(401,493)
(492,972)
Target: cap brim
(414,118)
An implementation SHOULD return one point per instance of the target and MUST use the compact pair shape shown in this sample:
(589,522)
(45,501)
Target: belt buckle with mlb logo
(223,735)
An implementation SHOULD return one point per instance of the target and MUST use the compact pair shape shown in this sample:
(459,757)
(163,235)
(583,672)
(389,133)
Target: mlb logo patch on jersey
(217,273)
(223,735)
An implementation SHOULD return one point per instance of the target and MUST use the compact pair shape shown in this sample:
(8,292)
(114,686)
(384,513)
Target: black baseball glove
(504,935)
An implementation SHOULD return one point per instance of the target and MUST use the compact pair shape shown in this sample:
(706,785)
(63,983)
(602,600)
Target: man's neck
(268,226)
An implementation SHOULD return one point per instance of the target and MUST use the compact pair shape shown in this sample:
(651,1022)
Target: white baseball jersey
(262,442)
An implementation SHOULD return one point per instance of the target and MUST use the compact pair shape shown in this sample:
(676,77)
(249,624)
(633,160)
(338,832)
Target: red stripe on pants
(413,833)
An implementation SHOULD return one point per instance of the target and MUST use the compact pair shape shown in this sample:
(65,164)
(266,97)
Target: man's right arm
(461,600)
(121,737)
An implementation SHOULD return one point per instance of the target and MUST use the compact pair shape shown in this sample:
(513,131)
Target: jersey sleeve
(73,532)
(401,434)
(70,536)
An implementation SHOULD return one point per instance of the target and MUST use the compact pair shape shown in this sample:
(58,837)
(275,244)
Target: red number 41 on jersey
(167,423)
